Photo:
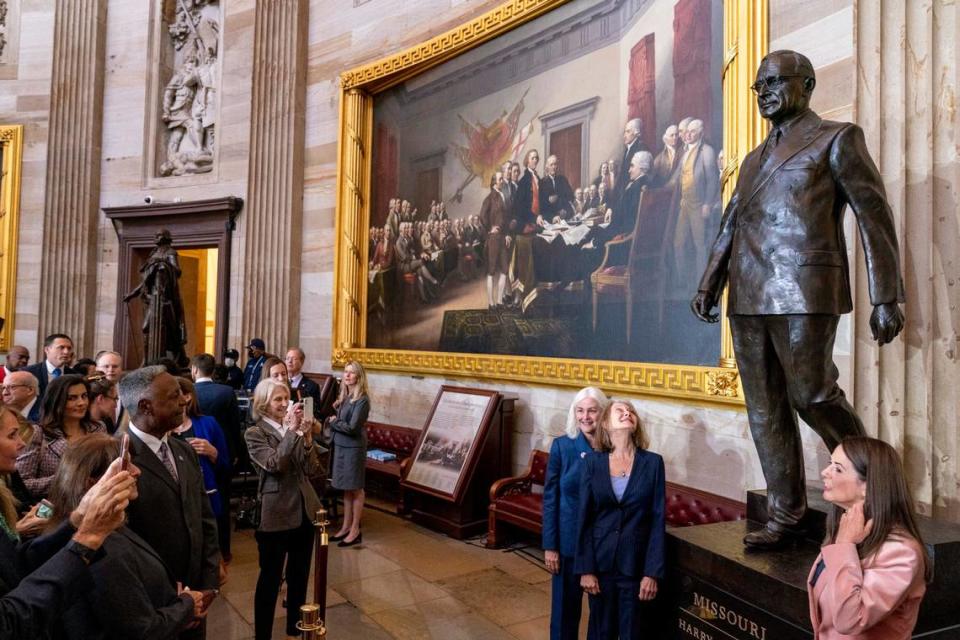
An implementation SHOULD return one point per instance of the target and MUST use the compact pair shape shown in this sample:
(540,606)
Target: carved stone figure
(189,99)
(781,248)
(164,329)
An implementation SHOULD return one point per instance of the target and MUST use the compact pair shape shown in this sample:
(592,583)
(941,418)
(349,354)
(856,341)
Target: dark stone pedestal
(718,590)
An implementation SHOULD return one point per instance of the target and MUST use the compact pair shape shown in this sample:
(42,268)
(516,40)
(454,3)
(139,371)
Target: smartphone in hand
(308,406)
(45,509)
(125,452)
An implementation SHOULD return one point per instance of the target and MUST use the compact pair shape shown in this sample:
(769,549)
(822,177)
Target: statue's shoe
(767,539)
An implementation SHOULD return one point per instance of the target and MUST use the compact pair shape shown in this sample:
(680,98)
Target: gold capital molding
(274,213)
(68,271)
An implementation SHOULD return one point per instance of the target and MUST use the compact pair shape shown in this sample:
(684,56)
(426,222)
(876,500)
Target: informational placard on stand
(452,437)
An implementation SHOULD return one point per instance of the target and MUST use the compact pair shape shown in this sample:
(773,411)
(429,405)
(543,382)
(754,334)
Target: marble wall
(889,65)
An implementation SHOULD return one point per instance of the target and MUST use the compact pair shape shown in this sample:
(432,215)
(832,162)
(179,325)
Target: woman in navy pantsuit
(560,501)
(621,525)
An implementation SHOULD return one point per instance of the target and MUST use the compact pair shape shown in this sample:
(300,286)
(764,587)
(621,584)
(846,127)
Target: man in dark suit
(632,145)
(17,358)
(526,200)
(234,373)
(256,355)
(623,217)
(19,392)
(556,195)
(172,514)
(57,355)
(781,247)
(300,385)
(219,401)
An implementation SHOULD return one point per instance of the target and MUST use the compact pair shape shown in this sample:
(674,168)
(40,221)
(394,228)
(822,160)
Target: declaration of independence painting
(554,192)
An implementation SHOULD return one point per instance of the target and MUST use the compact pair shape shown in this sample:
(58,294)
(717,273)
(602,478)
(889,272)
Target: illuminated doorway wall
(198,286)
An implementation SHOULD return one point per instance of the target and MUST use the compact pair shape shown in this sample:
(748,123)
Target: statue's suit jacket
(781,241)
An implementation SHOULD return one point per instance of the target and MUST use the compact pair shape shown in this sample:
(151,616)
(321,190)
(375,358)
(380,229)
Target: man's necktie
(167,461)
(55,373)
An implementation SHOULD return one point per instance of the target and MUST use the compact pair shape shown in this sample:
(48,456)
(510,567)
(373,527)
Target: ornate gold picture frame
(11,157)
(745,42)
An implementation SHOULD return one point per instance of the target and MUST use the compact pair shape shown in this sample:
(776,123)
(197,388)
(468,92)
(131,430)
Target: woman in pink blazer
(870,576)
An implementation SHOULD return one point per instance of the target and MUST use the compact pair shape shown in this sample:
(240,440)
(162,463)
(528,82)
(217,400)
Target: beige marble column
(909,392)
(270,289)
(68,273)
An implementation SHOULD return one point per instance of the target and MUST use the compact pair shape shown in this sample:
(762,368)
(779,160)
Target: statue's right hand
(701,306)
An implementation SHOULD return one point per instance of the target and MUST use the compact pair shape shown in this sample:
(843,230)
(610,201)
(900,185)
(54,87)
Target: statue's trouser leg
(773,423)
(806,351)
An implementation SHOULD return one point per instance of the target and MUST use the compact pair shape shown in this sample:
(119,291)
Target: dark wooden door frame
(196,224)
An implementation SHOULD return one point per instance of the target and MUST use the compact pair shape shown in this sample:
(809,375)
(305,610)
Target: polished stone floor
(407,582)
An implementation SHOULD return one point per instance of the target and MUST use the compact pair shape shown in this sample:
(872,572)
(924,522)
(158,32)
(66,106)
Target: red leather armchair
(513,500)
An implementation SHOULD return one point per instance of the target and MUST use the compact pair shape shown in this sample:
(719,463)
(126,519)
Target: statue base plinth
(719,590)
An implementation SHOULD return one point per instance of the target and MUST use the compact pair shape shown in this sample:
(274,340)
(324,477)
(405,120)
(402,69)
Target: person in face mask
(234,373)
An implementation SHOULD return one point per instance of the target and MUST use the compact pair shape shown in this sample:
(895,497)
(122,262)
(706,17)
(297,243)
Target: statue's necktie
(772,141)
(167,460)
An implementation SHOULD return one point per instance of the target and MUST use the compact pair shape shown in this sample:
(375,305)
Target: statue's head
(163,237)
(785,83)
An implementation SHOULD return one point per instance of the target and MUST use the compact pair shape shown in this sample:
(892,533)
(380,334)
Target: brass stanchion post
(312,615)
(311,625)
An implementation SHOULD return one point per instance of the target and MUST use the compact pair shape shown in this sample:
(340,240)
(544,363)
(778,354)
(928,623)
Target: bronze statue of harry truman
(781,249)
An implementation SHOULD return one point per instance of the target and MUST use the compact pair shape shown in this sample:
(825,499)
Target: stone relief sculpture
(3,25)
(190,97)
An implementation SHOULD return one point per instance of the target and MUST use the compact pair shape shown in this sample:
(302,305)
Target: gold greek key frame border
(11,142)
(745,26)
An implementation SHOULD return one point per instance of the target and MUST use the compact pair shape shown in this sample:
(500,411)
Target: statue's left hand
(886,322)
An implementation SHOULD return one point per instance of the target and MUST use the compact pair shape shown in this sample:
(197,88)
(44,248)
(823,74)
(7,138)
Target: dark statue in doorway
(164,329)
(781,248)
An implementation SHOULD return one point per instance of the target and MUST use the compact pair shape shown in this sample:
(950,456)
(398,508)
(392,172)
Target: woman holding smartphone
(350,450)
(871,573)
(283,453)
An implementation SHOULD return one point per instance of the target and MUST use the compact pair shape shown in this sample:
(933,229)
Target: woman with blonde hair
(283,453)
(621,525)
(561,494)
(350,450)
(872,570)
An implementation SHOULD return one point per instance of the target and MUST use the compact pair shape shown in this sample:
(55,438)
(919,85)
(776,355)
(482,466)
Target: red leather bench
(383,478)
(514,501)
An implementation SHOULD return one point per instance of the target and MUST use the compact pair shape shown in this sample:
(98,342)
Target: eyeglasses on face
(772,82)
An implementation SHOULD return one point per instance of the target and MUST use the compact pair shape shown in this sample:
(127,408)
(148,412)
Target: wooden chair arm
(606,251)
(515,484)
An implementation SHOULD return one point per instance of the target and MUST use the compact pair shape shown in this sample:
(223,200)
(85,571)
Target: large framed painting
(532,195)
(451,440)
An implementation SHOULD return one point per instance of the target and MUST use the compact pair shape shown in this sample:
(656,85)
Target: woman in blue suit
(621,525)
(560,501)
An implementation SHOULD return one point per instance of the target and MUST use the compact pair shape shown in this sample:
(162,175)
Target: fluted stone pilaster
(270,288)
(907,391)
(68,268)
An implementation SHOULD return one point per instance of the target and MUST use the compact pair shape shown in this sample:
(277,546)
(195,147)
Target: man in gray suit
(173,513)
(781,247)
